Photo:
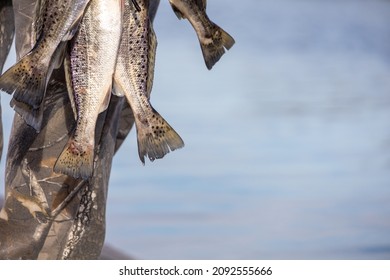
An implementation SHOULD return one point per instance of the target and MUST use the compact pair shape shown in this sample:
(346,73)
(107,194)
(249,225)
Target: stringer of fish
(212,38)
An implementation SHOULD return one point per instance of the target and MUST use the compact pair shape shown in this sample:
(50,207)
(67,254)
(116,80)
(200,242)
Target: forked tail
(213,48)
(27,81)
(76,160)
(156,137)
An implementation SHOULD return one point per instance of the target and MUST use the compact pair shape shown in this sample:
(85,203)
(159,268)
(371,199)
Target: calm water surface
(287,139)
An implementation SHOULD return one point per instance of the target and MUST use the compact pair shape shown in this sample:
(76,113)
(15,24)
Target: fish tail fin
(26,80)
(156,137)
(213,48)
(31,116)
(76,160)
(227,40)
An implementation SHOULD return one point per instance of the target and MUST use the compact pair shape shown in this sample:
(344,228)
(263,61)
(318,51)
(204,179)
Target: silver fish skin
(92,63)
(55,22)
(134,77)
(213,39)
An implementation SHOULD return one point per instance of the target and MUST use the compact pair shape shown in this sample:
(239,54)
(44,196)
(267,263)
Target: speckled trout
(55,22)
(213,39)
(133,78)
(91,67)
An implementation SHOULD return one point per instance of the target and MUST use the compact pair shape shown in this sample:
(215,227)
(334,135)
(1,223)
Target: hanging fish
(56,22)
(92,62)
(213,39)
(133,78)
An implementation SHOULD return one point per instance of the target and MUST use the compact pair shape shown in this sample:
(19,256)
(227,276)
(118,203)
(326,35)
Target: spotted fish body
(56,22)
(213,39)
(134,77)
(92,62)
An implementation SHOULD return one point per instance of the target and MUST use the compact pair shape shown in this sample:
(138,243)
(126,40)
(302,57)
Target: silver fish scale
(92,63)
(93,58)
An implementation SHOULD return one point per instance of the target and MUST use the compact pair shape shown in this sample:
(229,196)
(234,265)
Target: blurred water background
(287,139)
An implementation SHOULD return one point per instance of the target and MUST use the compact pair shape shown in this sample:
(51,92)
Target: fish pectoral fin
(156,137)
(76,160)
